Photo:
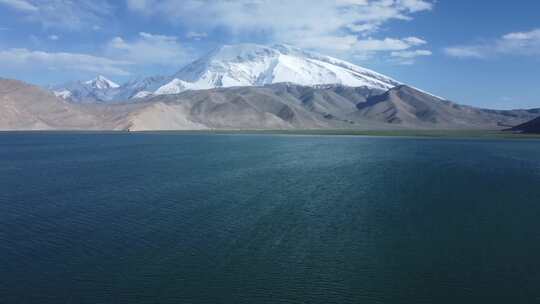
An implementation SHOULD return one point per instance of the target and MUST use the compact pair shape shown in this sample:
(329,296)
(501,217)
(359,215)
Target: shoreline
(474,134)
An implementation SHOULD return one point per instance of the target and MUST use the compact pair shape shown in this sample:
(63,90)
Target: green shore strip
(473,134)
(479,134)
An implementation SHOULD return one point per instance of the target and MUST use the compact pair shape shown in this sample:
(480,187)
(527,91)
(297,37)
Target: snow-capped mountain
(101,83)
(139,87)
(103,90)
(257,65)
(95,90)
(232,66)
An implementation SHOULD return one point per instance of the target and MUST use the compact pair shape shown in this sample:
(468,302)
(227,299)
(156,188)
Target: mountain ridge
(274,106)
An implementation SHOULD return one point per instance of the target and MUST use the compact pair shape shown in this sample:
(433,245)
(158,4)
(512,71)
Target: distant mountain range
(95,90)
(245,87)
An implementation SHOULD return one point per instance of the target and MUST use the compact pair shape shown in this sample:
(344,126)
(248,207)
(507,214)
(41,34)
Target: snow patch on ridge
(64,94)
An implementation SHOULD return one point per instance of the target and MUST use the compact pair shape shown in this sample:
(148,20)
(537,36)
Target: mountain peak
(101,82)
(250,64)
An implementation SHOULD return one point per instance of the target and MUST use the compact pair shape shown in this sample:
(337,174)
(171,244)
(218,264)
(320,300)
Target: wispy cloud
(149,49)
(196,35)
(35,60)
(411,54)
(415,5)
(66,15)
(475,51)
(20,5)
(408,57)
(388,44)
(516,44)
(283,15)
(333,25)
(400,51)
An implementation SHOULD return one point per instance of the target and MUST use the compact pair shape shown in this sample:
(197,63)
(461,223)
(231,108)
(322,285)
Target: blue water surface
(205,218)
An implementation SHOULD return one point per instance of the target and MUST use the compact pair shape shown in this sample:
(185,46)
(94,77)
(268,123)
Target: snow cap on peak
(250,64)
(101,82)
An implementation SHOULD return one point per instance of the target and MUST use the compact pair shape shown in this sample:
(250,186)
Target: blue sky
(482,53)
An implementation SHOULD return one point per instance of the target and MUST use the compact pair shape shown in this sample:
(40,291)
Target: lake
(231,218)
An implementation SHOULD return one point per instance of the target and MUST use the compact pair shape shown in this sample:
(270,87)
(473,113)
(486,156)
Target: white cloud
(149,49)
(54,37)
(328,43)
(388,44)
(415,41)
(465,51)
(520,43)
(20,5)
(360,49)
(401,51)
(516,44)
(23,59)
(415,5)
(64,14)
(411,54)
(196,35)
(138,4)
(523,36)
(297,22)
(362,29)
(409,57)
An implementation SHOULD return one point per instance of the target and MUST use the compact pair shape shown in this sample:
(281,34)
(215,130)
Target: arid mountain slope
(27,107)
(275,106)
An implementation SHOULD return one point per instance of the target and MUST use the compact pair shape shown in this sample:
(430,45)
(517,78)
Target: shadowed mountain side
(278,106)
(289,106)
(409,107)
(532,127)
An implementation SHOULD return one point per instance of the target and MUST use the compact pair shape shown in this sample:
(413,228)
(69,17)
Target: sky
(483,53)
